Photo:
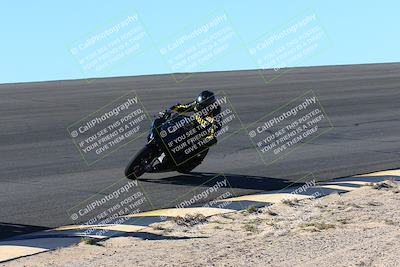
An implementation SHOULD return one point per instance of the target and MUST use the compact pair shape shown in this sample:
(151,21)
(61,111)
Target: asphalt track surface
(42,174)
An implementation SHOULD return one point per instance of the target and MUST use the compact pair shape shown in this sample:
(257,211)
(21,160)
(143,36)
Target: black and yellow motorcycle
(175,143)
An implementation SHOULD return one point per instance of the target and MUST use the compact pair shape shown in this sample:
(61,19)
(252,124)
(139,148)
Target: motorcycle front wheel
(137,165)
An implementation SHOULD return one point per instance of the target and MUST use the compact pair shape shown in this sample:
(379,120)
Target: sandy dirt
(359,228)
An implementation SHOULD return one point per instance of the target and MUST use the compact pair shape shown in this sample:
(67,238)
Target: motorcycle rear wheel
(193,163)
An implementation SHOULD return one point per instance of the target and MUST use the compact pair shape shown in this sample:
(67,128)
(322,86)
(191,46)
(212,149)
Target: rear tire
(193,163)
(137,165)
(188,168)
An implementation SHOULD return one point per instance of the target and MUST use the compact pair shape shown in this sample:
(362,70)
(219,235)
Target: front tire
(137,165)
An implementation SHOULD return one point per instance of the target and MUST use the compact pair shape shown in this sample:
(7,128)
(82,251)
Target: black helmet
(205,98)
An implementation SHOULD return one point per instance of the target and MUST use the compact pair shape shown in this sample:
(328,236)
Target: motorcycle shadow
(235,180)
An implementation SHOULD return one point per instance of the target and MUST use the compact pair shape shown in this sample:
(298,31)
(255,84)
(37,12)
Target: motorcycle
(165,151)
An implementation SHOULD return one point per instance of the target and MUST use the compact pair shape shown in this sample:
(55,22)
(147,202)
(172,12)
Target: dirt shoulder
(359,228)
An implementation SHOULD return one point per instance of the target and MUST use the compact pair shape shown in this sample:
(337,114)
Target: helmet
(205,99)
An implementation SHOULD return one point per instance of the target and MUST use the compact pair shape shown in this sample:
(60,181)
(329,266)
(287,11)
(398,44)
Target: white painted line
(269,198)
(9,252)
(175,212)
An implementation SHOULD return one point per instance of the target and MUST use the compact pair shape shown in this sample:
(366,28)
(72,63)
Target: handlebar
(164,114)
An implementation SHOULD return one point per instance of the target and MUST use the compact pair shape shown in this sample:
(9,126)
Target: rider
(206,110)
